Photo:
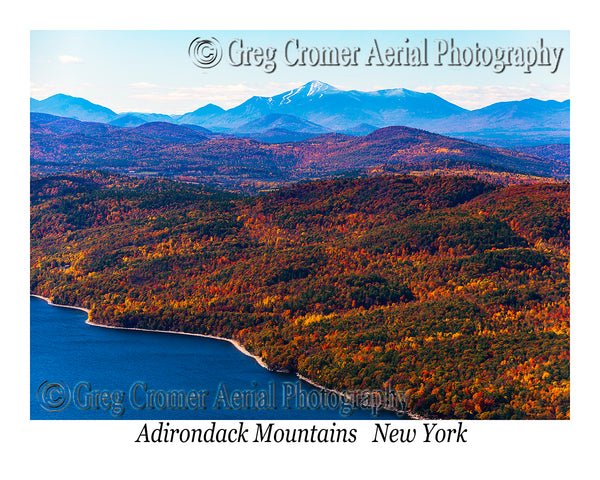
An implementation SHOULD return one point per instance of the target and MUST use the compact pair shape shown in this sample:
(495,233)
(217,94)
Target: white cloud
(185,99)
(42,91)
(69,59)
(143,85)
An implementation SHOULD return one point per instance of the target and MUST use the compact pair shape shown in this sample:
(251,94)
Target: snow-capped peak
(310,89)
(316,87)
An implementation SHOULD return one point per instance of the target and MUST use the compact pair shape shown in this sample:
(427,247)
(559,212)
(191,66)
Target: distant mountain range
(72,107)
(316,108)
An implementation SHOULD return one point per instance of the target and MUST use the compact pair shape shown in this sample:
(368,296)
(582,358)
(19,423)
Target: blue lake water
(80,371)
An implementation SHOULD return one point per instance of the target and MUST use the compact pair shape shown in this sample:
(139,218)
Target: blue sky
(151,71)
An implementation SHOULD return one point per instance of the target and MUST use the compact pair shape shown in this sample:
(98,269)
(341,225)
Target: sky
(152,71)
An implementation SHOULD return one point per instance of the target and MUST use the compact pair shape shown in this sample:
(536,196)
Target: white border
(543,449)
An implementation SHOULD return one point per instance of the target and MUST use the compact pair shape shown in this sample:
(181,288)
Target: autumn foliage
(240,164)
(447,287)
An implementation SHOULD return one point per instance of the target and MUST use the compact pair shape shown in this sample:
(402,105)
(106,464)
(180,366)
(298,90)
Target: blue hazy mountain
(198,129)
(336,109)
(206,116)
(61,105)
(134,119)
(317,105)
(360,130)
(522,114)
(280,121)
(529,114)
(73,107)
(127,120)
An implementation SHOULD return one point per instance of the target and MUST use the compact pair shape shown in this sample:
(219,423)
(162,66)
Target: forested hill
(450,288)
(241,164)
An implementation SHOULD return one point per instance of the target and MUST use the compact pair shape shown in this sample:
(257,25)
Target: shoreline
(235,343)
(50,302)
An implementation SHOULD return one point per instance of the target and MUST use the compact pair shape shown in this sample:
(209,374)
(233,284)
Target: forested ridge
(238,164)
(447,287)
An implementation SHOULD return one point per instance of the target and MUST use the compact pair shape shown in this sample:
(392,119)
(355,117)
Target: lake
(80,371)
